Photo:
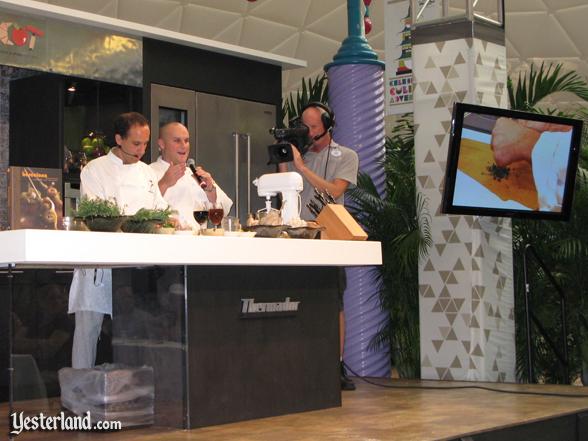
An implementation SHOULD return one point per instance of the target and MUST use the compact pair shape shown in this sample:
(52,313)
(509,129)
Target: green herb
(159,215)
(89,208)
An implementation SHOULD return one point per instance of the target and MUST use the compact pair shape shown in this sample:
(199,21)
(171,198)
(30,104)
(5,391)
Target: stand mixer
(289,184)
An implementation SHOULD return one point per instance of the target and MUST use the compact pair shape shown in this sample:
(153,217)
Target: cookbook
(34,198)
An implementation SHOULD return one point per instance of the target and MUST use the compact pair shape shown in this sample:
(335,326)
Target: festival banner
(398,48)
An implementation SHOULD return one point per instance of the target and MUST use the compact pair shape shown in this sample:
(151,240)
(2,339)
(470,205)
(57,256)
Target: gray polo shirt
(333,162)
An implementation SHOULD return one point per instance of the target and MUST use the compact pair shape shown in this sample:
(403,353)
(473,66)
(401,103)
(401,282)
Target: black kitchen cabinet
(49,112)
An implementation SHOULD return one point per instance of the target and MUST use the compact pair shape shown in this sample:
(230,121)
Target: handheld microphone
(192,164)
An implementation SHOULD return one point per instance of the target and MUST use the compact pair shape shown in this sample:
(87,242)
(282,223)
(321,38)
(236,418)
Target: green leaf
(563,246)
(535,86)
(311,90)
(97,207)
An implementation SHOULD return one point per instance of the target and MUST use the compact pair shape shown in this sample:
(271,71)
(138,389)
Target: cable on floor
(490,389)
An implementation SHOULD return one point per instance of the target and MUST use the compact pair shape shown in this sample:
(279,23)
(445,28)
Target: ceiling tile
(110,9)
(574,22)
(316,50)
(287,47)
(377,40)
(93,6)
(562,4)
(172,21)
(313,29)
(377,16)
(525,6)
(529,31)
(147,12)
(319,9)
(329,25)
(237,6)
(264,35)
(511,51)
(231,34)
(283,11)
(206,22)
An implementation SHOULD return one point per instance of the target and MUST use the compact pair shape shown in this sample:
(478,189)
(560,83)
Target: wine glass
(201,214)
(215,214)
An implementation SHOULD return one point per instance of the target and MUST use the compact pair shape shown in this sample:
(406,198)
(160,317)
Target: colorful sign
(399,53)
(72,49)
(11,34)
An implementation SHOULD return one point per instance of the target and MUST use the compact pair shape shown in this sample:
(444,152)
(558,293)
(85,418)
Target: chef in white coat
(122,177)
(177,182)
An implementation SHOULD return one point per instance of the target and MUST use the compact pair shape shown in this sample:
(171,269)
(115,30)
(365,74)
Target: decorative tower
(356,95)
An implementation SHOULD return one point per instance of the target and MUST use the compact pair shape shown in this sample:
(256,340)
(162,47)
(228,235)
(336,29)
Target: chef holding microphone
(185,187)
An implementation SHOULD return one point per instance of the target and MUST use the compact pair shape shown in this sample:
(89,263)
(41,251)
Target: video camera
(296,134)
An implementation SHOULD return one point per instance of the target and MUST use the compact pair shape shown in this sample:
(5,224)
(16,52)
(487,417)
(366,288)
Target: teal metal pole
(355,49)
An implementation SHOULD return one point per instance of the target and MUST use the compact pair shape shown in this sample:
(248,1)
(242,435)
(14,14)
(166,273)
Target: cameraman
(326,166)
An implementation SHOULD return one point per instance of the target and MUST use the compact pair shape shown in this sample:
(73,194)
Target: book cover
(34,198)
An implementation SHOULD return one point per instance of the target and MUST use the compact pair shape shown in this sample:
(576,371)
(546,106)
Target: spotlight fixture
(72,87)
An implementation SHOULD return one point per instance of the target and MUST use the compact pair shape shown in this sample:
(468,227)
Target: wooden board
(476,157)
(339,224)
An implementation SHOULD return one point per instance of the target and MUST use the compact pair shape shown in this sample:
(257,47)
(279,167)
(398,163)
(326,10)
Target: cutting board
(476,157)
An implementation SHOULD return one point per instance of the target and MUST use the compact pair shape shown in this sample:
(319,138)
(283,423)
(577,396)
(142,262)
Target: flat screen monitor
(510,164)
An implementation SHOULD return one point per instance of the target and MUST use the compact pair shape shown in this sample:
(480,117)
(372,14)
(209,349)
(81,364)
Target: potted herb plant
(100,214)
(149,221)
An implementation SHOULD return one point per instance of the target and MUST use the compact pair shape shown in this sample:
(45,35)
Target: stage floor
(374,413)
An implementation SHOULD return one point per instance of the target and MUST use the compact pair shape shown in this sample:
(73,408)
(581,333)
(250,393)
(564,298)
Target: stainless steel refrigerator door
(232,136)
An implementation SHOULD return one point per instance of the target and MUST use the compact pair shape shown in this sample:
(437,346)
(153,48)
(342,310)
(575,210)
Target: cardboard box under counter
(339,224)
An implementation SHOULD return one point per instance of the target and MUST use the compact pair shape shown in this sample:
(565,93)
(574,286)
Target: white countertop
(40,248)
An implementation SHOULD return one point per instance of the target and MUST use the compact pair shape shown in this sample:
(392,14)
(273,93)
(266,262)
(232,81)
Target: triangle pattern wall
(466,282)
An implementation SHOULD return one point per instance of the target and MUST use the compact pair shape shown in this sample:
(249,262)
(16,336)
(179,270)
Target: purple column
(356,95)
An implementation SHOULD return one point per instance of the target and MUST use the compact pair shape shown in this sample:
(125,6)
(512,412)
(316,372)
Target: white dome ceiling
(536,30)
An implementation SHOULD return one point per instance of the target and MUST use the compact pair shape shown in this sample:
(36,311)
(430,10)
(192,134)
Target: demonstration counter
(235,328)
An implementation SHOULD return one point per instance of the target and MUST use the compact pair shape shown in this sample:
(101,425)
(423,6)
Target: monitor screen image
(510,164)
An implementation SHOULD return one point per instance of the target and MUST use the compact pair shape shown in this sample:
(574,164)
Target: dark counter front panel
(245,366)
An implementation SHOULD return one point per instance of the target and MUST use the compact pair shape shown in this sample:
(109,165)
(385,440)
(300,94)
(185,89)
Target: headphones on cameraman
(327,116)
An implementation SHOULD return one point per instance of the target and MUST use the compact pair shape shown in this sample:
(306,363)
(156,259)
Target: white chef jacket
(132,186)
(550,162)
(186,194)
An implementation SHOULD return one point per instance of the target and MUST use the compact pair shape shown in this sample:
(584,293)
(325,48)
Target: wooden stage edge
(377,413)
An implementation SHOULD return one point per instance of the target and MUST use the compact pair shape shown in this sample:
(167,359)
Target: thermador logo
(250,308)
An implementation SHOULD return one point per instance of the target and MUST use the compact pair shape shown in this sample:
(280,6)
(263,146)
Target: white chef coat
(550,162)
(186,194)
(132,186)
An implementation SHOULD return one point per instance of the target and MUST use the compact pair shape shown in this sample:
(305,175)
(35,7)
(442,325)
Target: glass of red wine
(201,214)
(215,214)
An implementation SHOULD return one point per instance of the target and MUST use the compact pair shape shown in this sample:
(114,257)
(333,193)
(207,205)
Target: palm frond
(563,246)
(538,84)
(311,90)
